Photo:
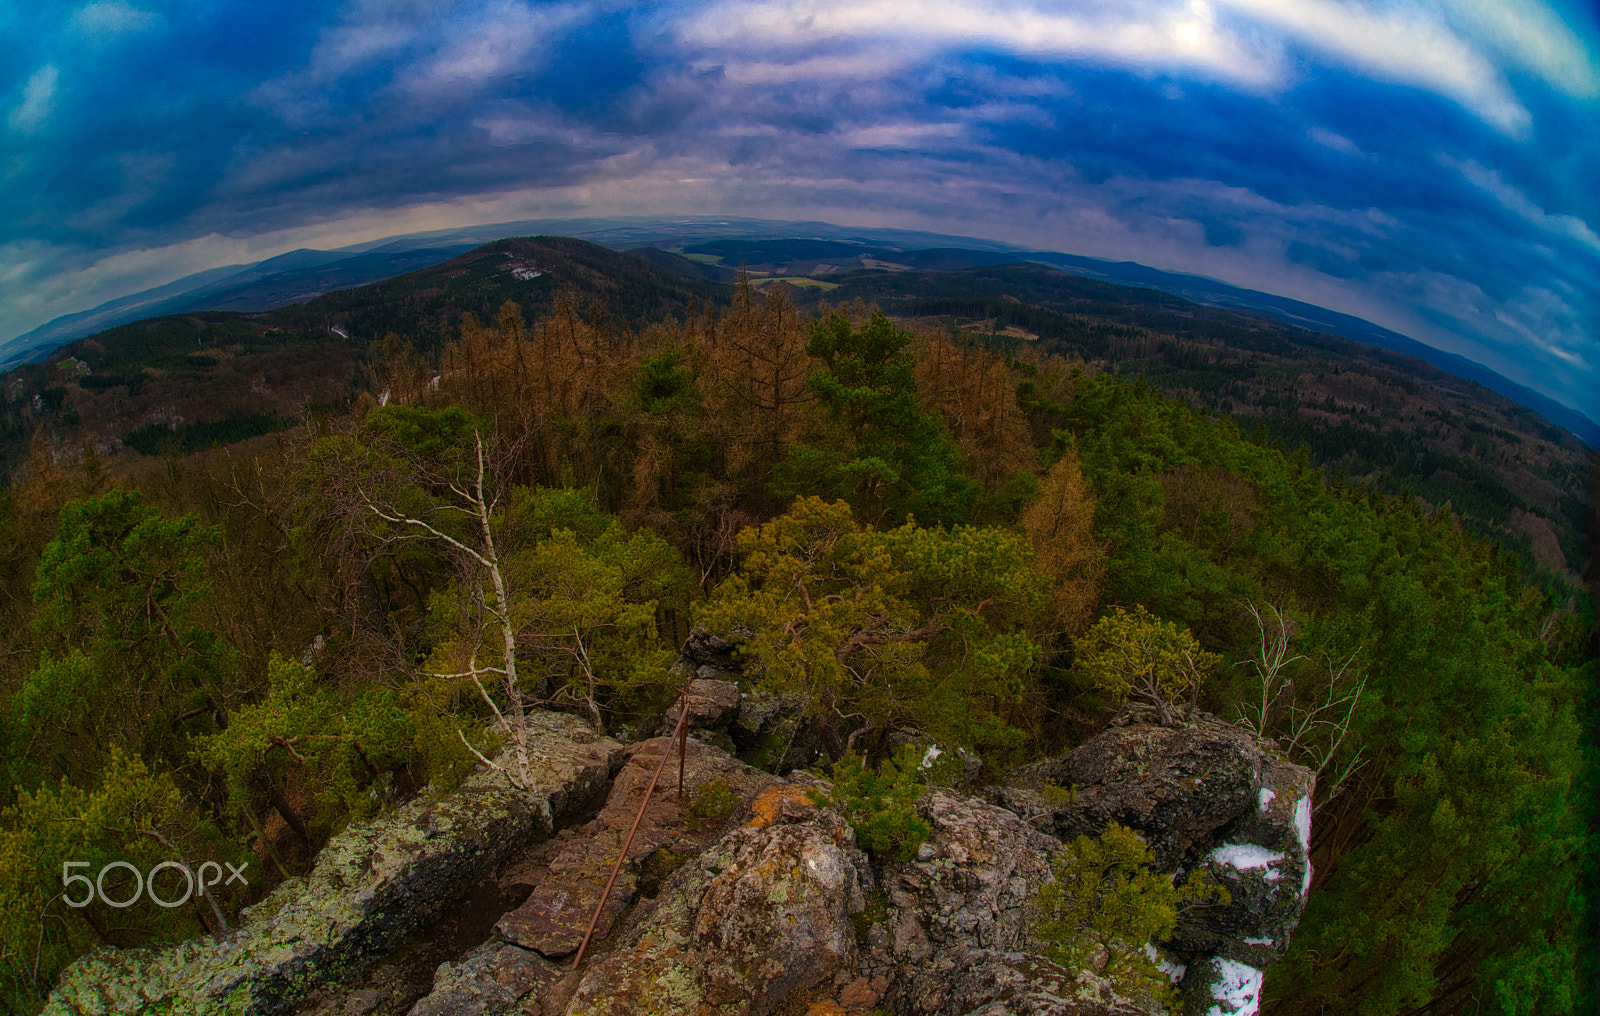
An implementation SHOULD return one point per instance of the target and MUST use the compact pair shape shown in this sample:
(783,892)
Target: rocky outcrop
(744,894)
(373,886)
(1203,794)
(767,730)
(763,915)
(550,924)
(956,937)
(784,908)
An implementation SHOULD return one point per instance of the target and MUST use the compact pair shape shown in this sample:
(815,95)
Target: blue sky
(1433,166)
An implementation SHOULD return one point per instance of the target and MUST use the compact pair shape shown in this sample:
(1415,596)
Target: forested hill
(1373,416)
(266,575)
(1376,417)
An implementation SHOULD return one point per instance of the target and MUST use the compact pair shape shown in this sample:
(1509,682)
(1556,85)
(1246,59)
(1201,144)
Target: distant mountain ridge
(717,247)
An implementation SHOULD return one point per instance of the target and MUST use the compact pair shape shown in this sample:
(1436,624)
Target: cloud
(1338,142)
(1535,39)
(1427,164)
(1180,36)
(1515,201)
(1403,44)
(112,17)
(38,100)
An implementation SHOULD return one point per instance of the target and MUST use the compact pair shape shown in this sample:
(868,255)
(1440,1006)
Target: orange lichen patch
(826,1007)
(773,803)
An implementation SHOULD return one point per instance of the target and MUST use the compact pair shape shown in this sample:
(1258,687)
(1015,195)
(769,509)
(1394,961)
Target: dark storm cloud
(1427,165)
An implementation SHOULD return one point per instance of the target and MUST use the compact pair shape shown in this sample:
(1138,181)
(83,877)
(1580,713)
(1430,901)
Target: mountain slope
(1385,420)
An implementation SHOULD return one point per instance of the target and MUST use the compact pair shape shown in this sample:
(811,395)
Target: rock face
(770,731)
(1203,795)
(762,915)
(745,894)
(784,908)
(373,886)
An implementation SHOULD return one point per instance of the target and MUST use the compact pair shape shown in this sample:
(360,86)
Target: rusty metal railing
(681,735)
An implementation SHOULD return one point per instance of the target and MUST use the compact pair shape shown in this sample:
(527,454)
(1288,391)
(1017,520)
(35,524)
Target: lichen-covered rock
(1175,785)
(761,915)
(495,979)
(1261,858)
(373,886)
(954,913)
(1205,795)
(713,705)
(1026,985)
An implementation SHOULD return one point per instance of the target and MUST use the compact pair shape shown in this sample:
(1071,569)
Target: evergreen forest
(369,526)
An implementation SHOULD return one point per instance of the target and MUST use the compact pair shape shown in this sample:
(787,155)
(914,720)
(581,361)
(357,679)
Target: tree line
(231,654)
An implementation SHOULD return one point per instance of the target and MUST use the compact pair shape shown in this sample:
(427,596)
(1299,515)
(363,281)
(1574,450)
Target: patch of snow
(526,273)
(1265,798)
(335,329)
(930,756)
(1238,991)
(1245,856)
(1174,971)
(1258,941)
(1305,881)
(1302,822)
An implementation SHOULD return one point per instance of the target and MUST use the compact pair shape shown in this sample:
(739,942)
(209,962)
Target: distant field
(803,283)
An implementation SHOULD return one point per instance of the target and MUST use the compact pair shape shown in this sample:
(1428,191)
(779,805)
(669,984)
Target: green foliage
(880,806)
(338,748)
(1467,711)
(887,458)
(1107,900)
(925,626)
(116,594)
(666,385)
(159,439)
(118,569)
(710,806)
(424,433)
(1135,653)
(584,604)
(131,815)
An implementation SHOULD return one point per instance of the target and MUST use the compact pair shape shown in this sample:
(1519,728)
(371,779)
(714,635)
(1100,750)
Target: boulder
(373,886)
(495,979)
(760,917)
(956,921)
(1261,858)
(1175,785)
(704,651)
(766,729)
(1205,795)
(713,705)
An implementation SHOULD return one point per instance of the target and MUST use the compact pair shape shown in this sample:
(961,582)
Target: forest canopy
(238,651)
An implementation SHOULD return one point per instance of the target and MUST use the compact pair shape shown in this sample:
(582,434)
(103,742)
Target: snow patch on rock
(1238,991)
(1171,968)
(1245,856)
(1302,822)
(1265,798)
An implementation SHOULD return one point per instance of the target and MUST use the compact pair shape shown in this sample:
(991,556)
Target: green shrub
(1106,900)
(881,806)
(710,806)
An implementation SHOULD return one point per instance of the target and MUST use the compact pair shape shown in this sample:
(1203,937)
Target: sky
(1430,165)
